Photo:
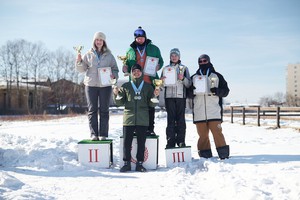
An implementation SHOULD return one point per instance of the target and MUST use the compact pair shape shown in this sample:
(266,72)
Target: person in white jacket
(208,89)
(98,95)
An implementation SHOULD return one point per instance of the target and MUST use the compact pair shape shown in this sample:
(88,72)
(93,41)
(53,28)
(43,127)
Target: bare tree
(39,61)
(292,100)
(12,63)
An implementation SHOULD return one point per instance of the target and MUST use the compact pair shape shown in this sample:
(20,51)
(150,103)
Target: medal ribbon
(97,56)
(141,53)
(206,73)
(137,90)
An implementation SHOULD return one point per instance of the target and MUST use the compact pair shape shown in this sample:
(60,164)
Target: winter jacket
(178,90)
(206,106)
(90,64)
(151,50)
(136,112)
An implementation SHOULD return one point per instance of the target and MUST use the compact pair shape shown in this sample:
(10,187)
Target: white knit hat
(99,35)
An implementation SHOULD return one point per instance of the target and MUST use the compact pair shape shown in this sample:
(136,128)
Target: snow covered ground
(38,160)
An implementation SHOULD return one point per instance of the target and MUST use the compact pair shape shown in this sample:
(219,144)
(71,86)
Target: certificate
(171,76)
(104,76)
(150,66)
(200,84)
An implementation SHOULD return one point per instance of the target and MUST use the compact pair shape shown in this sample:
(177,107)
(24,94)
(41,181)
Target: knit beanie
(99,35)
(139,33)
(136,66)
(204,56)
(175,51)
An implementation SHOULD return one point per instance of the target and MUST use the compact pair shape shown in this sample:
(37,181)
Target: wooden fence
(266,112)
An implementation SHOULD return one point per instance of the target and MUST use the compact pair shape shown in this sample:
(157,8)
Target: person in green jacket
(136,96)
(139,50)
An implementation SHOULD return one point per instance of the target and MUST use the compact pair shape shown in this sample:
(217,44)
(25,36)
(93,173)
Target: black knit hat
(136,66)
(204,56)
(139,32)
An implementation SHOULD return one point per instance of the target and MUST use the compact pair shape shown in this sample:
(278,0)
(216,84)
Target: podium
(178,155)
(150,154)
(96,153)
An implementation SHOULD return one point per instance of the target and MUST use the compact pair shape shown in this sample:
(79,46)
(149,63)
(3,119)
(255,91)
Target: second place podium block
(96,153)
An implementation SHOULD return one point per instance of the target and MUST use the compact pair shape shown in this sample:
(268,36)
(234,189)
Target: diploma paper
(200,84)
(171,76)
(104,76)
(150,66)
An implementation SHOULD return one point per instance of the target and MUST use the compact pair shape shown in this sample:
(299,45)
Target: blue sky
(249,42)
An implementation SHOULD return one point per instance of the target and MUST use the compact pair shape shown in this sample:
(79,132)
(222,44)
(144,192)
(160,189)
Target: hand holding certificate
(150,66)
(104,76)
(200,84)
(170,76)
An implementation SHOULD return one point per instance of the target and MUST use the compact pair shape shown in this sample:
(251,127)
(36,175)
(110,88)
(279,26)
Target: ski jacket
(208,106)
(136,111)
(151,50)
(178,90)
(91,63)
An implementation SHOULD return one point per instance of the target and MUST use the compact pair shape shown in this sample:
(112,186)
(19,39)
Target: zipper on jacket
(205,111)
(135,112)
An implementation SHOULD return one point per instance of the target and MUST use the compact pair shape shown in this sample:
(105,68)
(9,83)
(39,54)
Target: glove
(214,90)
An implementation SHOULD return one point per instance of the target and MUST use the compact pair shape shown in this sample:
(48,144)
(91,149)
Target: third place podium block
(96,153)
(178,155)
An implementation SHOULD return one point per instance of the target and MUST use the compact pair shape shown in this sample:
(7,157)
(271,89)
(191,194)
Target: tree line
(21,61)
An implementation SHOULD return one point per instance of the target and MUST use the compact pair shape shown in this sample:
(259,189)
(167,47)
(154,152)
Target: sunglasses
(203,61)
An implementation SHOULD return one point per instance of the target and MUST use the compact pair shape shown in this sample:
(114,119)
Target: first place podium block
(96,153)
(178,155)
(150,154)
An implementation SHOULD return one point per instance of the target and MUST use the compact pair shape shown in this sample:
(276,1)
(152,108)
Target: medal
(137,97)
(141,53)
(137,90)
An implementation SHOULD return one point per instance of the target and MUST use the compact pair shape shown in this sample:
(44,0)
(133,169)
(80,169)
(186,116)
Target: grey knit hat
(204,56)
(175,51)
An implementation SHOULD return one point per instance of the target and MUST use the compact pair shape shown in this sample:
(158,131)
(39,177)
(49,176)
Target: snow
(38,160)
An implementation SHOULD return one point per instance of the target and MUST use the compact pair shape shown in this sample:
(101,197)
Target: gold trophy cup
(124,59)
(157,83)
(78,49)
(181,71)
(213,83)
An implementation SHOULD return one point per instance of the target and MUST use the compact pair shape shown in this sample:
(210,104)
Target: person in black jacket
(208,89)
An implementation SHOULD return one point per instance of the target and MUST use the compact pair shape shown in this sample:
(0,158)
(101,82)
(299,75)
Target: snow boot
(181,144)
(139,167)
(205,153)
(94,138)
(126,167)
(223,152)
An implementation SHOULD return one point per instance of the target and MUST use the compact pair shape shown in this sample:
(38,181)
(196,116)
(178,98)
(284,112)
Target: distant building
(293,83)
(23,98)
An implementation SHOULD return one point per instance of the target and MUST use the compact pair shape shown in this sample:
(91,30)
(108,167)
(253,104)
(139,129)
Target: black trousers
(98,100)
(151,119)
(176,126)
(128,132)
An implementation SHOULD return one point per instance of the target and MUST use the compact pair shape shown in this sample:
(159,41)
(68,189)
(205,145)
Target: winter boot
(139,167)
(94,138)
(223,152)
(181,144)
(205,153)
(126,167)
(170,143)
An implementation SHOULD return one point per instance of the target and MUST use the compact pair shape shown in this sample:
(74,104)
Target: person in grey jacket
(175,100)
(98,95)
(207,107)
